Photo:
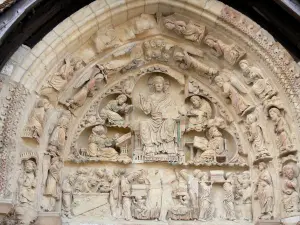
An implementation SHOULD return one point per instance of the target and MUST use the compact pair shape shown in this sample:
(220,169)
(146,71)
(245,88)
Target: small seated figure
(182,210)
(114,110)
(199,114)
(140,210)
(100,145)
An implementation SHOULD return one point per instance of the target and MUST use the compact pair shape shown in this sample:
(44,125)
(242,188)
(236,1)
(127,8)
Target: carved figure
(35,125)
(187,61)
(261,86)
(290,190)
(158,134)
(52,190)
(167,199)
(256,137)
(27,183)
(157,49)
(205,201)
(60,79)
(246,196)
(115,192)
(264,192)
(154,200)
(231,89)
(181,210)
(126,202)
(282,131)
(87,85)
(215,147)
(190,31)
(114,108)
(59,134)
(229,200)
(199,114)
(67,194)
(140,210)
(100,145)
(232,53)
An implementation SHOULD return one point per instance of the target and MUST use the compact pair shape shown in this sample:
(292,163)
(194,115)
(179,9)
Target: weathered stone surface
(151,111)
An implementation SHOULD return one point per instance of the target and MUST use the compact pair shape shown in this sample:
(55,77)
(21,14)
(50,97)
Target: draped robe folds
(237,101)
(265,192)
(283,138)
(204,200)
(27,188)
(115,196)
(158,135)
(52,180)
(154,196)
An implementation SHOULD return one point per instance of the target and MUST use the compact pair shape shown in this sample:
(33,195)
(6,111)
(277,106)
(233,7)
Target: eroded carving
(232,89)
(231,53)
(256,138)
(158,134)
(261,87)
(264,192)
(35,125)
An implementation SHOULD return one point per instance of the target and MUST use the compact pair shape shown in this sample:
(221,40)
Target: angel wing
(85,76)
(192,50)
(238,85)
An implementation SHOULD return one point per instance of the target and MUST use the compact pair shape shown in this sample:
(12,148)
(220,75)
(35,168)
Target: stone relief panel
(159,124)
(155,194)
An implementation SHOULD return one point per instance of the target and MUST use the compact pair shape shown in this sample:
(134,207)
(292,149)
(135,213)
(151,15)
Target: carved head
(244,65)
(197,173)
(210,41)
(251,118)
(29,166)
(255,73)
(196,101)
(274,113)
(121,99)
(99,130)
(262,166)
(288,172)
(72,178)
(219,81)
(214,132)
(180,26)
(169,24)
(158,83)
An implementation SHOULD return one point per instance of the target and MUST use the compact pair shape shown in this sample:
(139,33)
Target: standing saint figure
(52,191)
(168,201)
(154,194)
(264,192)
(205,201)
(115,193)
(159,133)
(282,131)
(256,137)
(67,194)
(229,200)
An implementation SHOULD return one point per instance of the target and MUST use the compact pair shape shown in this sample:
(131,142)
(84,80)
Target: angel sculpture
(232,53)
(232,89)
(87,85)
(186,61)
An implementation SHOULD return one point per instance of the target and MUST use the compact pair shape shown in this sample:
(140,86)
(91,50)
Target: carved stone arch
(206,43)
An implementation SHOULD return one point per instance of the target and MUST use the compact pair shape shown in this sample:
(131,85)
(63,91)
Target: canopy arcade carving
(164,117)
